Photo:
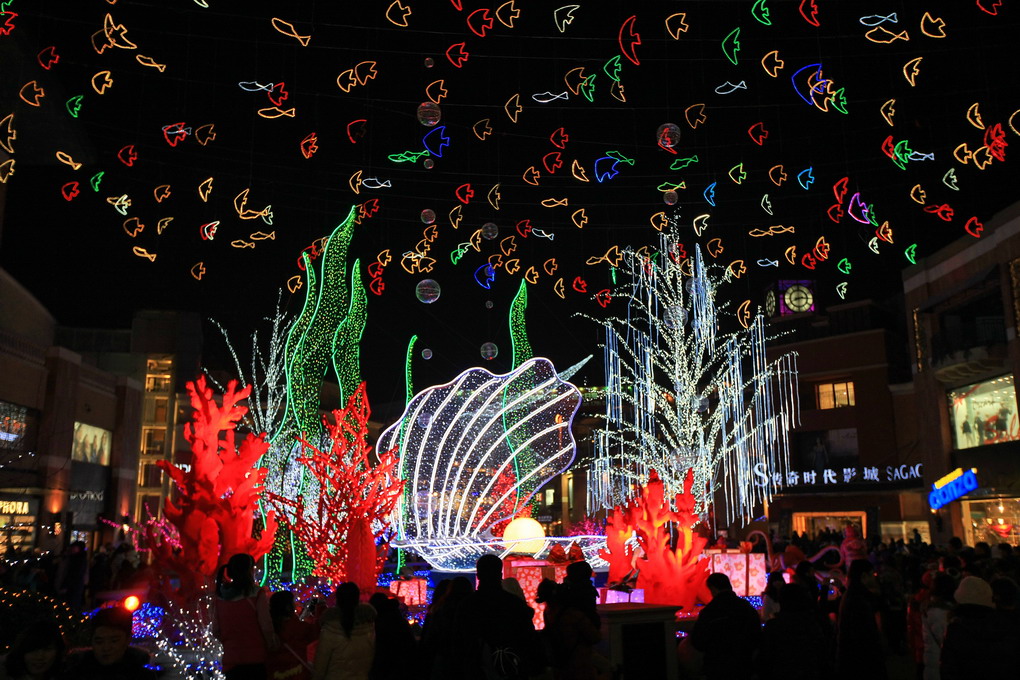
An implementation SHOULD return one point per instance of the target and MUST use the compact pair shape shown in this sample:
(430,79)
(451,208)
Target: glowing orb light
(524,535)
(131,602)
(668,135)
(427,291)
(429,113)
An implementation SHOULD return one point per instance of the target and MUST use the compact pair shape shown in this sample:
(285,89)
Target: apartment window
(157,383)
(160,410)
(152,441)
(835,395)
(550,496)
(152,475)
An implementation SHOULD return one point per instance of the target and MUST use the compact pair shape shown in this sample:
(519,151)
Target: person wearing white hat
(979,640)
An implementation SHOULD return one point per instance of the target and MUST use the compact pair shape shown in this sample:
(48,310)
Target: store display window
(993,521)
(984,413)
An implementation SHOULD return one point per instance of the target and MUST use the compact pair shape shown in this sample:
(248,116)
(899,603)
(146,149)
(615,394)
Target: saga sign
(954,485)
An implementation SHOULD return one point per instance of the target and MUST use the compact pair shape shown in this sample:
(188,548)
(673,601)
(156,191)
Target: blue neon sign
(945,491)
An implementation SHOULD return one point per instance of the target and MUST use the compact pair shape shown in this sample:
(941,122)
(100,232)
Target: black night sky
(79,259)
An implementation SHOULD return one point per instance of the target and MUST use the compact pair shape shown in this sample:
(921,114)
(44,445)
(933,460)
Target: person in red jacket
(290,660)
(241,620)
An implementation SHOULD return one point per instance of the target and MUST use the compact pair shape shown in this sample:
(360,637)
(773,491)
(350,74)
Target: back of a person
(494,630)
(346,657)
(571,636)
(396,650)
(290,660)
(793,647)
(239,631)
(729,637)
(980,643)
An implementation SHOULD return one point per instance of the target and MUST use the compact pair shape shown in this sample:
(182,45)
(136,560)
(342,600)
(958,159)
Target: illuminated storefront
(995,520)
(984,413)
(17,522)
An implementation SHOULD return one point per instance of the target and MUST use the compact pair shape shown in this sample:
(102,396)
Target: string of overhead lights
(12,461)
(22,605)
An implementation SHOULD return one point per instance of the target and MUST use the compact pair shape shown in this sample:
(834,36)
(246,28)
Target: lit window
(835,395)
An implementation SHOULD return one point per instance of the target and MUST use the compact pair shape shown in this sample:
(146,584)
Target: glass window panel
(984,413)
(825,399)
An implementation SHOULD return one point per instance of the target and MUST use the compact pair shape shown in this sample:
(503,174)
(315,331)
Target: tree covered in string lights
(218,493)
(343,527)
(684,397)
(265,373)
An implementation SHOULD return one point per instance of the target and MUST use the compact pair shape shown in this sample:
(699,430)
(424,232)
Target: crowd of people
(469,633)
(944,613)
(76,576)
(951,612)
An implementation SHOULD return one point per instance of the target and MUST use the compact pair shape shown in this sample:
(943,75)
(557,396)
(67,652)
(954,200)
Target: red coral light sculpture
(336,527)
(668,574)
(218,494)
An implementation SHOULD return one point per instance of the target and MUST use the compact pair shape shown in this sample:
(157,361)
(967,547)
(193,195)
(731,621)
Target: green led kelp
(327,333)
(347,338)
(518,331)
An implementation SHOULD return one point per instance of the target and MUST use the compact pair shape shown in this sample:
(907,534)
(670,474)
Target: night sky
(79,259)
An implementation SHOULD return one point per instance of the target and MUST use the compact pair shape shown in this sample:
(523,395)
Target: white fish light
(473,452)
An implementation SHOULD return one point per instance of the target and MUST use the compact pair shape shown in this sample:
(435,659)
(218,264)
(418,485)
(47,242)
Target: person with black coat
(727,632)
(980,642)
(793,644)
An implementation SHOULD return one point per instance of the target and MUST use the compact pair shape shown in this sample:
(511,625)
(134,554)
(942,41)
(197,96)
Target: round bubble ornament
(489,351)
(426,354)
(429,62)
(429,113)
(668,135)
(427,291)
(428,216)
(674,316)
(670,198)
(490,231)
(428,163)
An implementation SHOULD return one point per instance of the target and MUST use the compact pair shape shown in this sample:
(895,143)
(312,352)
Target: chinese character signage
(984,413)
(856,476)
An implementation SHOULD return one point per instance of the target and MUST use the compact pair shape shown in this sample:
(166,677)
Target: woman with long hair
(347,641)
(290,660)
(37,654)
(241,620)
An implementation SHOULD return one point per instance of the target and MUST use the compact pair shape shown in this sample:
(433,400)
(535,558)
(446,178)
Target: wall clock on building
(798,298)
(770,303)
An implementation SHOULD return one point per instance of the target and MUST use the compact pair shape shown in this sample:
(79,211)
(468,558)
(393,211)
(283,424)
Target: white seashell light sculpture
(473,452)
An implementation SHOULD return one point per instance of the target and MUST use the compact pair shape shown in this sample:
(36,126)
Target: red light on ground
(131,603)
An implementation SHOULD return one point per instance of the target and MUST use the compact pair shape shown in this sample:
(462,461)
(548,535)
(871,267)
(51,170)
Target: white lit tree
(681,395)
(266,373)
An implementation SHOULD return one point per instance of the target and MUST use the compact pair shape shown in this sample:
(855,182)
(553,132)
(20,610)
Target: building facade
(854,456)
(963,306)
(69,434)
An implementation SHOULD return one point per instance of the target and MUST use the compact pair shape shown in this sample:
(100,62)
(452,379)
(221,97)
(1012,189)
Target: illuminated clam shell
(474,451)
